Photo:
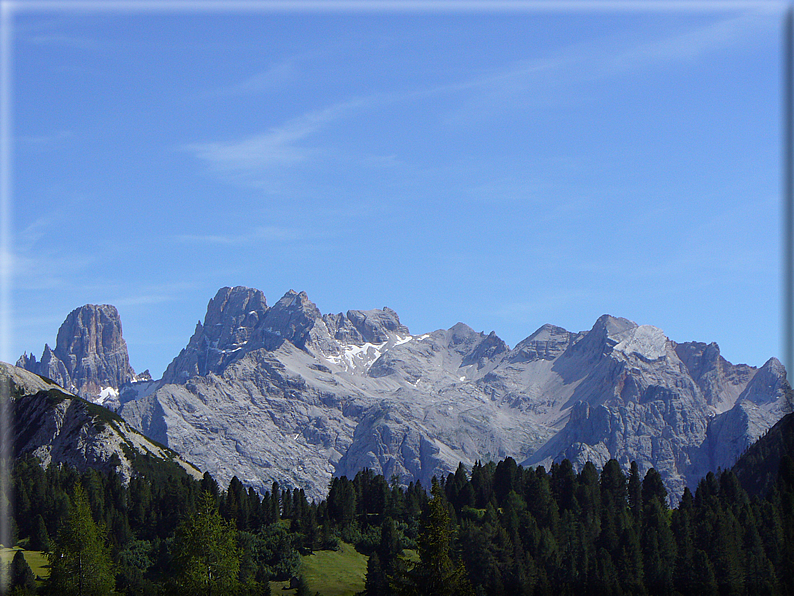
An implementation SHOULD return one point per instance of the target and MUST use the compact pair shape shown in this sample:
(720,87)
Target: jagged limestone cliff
(286,393)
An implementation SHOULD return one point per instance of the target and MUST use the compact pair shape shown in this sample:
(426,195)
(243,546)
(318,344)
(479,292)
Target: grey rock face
(58,427)
(547,343)
(286,393)
(230,328)
(683,415)
(90,357)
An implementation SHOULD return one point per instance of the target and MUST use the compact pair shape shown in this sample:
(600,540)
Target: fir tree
(39,538)
(435,574)
(21,578)
(80,561)
(303,587)
(375,583)
(635,492)
(205,551)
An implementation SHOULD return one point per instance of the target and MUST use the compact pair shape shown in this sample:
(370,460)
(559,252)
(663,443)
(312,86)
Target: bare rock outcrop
(57,427)
(90,357)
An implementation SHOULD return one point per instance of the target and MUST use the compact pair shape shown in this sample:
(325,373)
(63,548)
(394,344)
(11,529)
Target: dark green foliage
(435,574)
(504,530)
(653,488)
(375,582)
(206,556)
(757,468)
(208,485)
(302,587)
(80,561)
(274,553)
(21,576)
(39,537)
(133,565)
(635,491)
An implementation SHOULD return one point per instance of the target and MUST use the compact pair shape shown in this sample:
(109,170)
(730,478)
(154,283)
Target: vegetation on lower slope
(36,559)
(338,572)
(758,467)
(499,529)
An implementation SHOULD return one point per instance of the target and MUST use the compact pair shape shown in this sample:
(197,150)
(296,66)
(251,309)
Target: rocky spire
(90,354)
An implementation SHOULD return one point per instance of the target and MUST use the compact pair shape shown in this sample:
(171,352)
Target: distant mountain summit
(239,321)
(90,357)
(285,393)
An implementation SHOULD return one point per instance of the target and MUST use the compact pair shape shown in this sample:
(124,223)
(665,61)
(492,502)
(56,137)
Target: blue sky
(503,169)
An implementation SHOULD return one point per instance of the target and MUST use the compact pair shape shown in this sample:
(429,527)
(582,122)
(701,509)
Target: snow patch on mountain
(358,357)
(646,341)
(105,394)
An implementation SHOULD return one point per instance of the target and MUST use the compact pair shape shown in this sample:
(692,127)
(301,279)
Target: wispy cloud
(277,148)
(549,80)
(48,269)
(277,76)
(63,40)
(696,43)
(41,143)
(131,295)
(259,234)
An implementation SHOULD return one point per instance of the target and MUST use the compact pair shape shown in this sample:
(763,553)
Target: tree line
(497,529)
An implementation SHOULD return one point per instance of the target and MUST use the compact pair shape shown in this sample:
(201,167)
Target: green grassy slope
(332,573)
(36,559)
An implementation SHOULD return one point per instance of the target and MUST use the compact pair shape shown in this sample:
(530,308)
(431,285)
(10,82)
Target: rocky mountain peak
(231,327)
(605,334)
(90,329)
(699,356)
(624,337)
(463,339)
(375,325)
(232,315)
(297,396)
(644,341)
(90,353)
(58,428)
(612,327)
(292,318)
(548,332)
(489,349)
(720,381)
(365,326)
(547,343)
(768,385)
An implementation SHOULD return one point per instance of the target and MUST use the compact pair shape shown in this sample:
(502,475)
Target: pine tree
(435,574)
(39,538)
(703,577)
(375,583)
(80,562)
(21,575)
(635,492)
(303,587)
(205,551)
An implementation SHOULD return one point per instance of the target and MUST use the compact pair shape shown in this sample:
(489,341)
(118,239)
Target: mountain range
(285,393)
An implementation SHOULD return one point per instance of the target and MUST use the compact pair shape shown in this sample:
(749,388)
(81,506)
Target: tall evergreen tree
(435,574)
(21,578)
(39,538)
(205,551)
(80,562)
(375,582)
(635,491)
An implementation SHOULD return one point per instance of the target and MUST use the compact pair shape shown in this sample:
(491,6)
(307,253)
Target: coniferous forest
(498,529)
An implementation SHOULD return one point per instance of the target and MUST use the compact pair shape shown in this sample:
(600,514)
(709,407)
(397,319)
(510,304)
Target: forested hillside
(500,529)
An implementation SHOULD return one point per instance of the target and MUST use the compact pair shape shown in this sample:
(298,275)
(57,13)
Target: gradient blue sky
(504,169)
